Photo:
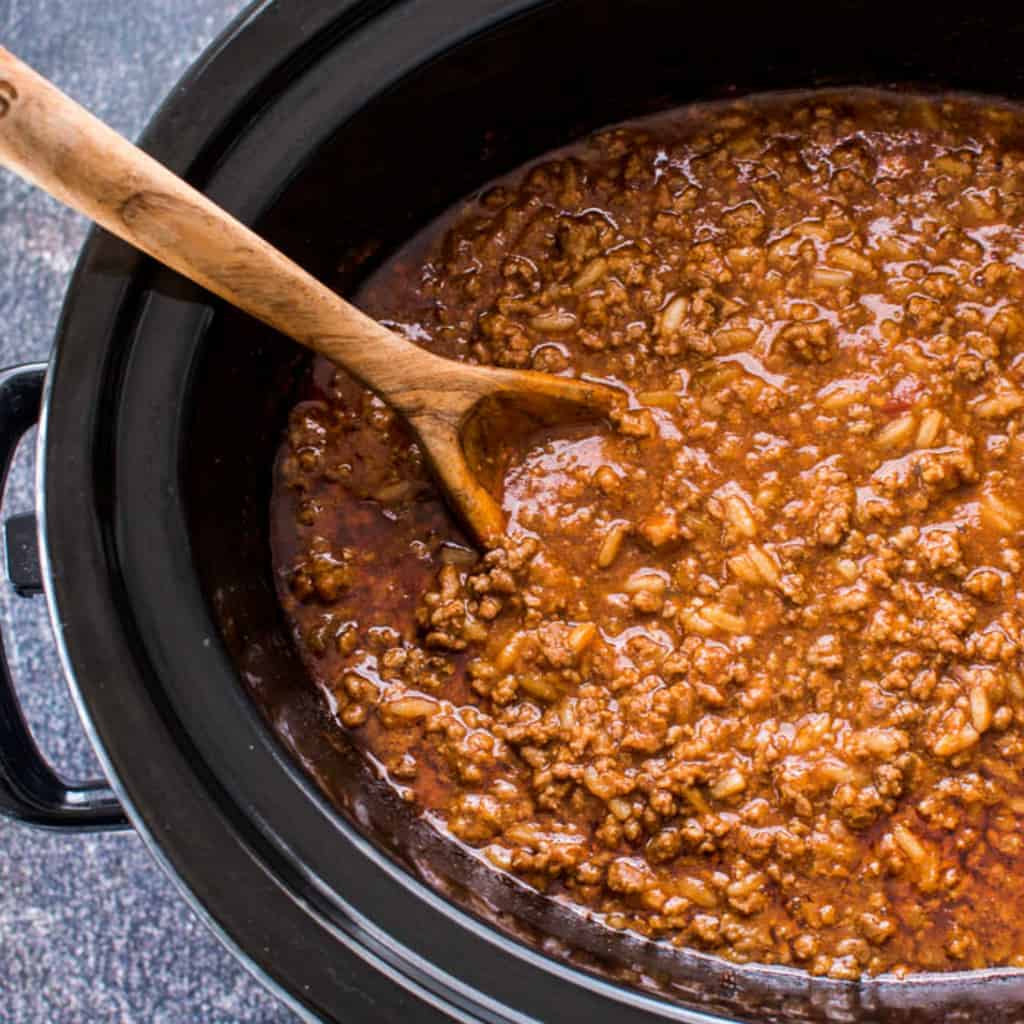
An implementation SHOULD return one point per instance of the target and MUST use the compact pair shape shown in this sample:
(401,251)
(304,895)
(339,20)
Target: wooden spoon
(54,143)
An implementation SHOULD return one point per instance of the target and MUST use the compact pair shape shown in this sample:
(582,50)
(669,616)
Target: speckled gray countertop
(90,928)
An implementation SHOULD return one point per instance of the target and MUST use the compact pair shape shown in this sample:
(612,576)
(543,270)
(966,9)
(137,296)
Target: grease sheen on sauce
(747,675)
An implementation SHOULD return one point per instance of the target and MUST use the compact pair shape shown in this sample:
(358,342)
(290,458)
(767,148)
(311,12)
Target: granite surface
(90,928)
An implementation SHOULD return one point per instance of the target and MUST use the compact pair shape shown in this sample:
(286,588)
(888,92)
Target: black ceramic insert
(340,128)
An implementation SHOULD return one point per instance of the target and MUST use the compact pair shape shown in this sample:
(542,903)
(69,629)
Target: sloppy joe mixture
(746,675)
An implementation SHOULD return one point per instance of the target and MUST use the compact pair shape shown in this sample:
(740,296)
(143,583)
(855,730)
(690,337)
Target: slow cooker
(338,128)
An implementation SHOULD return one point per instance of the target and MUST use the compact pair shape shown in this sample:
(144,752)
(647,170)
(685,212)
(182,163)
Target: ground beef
(746,673)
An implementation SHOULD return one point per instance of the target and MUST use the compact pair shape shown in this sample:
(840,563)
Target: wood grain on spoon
(54,143)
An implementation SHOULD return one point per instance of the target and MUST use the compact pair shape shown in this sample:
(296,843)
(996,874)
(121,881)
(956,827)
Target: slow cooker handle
(30,790)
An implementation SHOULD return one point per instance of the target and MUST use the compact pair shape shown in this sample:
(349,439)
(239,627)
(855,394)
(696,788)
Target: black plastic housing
(331,124)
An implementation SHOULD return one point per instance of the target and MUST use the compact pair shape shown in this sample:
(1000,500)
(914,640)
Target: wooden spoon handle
(54,143)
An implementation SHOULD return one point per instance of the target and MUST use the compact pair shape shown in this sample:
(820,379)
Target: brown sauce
(747,674)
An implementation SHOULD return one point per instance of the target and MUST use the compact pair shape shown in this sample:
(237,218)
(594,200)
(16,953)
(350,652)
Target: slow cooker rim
(99,249)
